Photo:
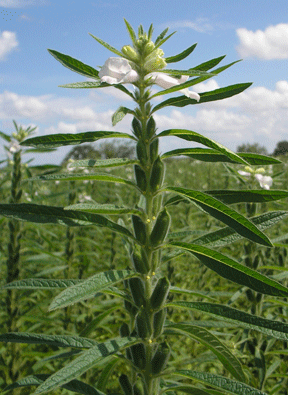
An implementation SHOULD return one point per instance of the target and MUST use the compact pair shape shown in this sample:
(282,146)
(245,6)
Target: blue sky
(255,31)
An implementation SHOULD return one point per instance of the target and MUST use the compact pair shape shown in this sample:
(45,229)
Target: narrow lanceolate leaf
(225,214)
(212,155)
(83,85)
(257,196)
(50,340)
(120,113)
(187,389)
(190,72)
(5,136)
(58,140)
(276,329)
(219,382)
(229,361)
(89,287)
(74,385)
(130,31)
(113,162)
(189,135)
(227,235)
(57,215)
(182,55)
(84,362)
(234,271)
(217,94)
(40,283)
(74,64)
(82,176)
(108,46)
(110,209)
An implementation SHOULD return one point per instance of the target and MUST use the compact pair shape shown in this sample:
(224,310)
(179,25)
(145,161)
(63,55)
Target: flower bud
(149,47)
(130,53)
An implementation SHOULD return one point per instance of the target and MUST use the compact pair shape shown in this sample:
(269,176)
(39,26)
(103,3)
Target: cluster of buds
(264,181)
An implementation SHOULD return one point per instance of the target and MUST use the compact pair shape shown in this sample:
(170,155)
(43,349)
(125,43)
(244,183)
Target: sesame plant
(144,343)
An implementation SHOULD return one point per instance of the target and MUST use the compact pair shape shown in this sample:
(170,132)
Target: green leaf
(105,373)
(108,46)
(233,271)
(130,31)
(161,42)
(219,382)
(96,321)
(85,361)
(188,390)
(74,64)
(181,56)
(40,283)
(5,137)
(89,287)
(201,294)
(189,135)
(190,72)
(212,63)
(84,85)
(225,214)
(77,177)
(229,361)
(58,140)
(110,209)
(217,94)
(120,113)
(50,340)
(57,215)
(227,235)
(212,155)
(257,196)
(73,385)
(113,162)
(276,329)
(161,35)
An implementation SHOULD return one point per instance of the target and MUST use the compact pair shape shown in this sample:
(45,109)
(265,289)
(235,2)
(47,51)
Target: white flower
(264,181)
(14,147)
(119,71)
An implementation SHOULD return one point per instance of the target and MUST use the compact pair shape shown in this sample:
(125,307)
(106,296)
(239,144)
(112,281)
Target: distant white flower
(264,181)
(14,147)
(119,71)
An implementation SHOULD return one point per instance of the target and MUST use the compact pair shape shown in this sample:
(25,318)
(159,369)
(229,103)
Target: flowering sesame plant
(144,341)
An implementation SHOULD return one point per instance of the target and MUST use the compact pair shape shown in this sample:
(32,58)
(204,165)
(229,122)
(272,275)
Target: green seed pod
(160,293)
(154,146)
(132,310)
(140,178)
(160,228)
(137,127)
(139,355)
(140,261)
(142,325)
(151,127)
(139,229)
(141,150)
(137,291)
(124,330)
(160,359)
(137,390)
(158,322)
(125,384)
(157,175)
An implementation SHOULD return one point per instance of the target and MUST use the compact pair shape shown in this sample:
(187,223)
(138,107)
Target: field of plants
(148,273)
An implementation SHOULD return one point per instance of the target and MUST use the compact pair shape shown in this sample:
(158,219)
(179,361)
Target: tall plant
(144,342)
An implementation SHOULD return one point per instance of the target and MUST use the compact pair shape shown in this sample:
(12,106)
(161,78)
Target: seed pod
(151,127)
(160,293)
(132,310)
(139,229)
(137,291)
(137,390)
(158,322)
(140,261)
(140,178)
(154,146)
(137,127)
(125,384)
(160,359)
(157,175)
(138,355)
(124,330)
(160,228)
(142,325)
(141,150)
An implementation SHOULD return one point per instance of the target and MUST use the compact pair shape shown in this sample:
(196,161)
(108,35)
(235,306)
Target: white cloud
(21,3)
(272,43)
(8,43)
(201,25)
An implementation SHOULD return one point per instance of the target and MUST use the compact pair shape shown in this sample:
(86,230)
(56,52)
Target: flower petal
(264,181)
(116,71)
(244,173)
